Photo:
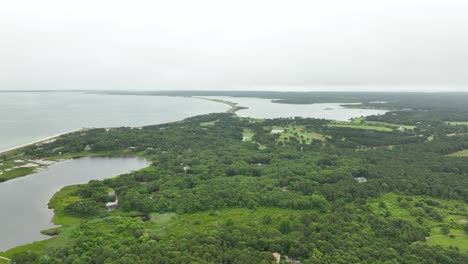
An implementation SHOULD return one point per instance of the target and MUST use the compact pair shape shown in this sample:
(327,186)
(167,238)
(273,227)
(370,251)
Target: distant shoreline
(234,107)
(38,141)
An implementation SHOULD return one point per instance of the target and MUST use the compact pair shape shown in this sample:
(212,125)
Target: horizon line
(228,90)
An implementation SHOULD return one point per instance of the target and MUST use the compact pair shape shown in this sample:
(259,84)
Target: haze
(394,45)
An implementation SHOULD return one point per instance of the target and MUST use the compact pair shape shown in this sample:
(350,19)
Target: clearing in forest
(430,213)
(462,153)
(360,126)
(207,124)
(362,123)
(247,135)
(457,123)
(298,132)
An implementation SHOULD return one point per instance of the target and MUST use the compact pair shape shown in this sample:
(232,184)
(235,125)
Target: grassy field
(247,135)
(411,208)
(207,124)
(462,153)
(390,125)
(300,133)
(382,126)
(457,123)
(4,261)
(360,126)
(358,120)
(459,239)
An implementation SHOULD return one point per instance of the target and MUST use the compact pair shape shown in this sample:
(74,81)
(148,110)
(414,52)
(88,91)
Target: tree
(445,230)
(285,227)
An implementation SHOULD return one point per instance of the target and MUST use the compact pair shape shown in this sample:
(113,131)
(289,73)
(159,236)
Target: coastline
(234,107)
(39,141)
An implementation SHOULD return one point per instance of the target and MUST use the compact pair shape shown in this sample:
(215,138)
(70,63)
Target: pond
(23,201)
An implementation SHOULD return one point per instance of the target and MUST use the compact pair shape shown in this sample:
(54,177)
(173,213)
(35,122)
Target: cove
(23,201)
(266,108)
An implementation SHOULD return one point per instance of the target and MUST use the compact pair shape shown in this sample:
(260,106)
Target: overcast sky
(251,44)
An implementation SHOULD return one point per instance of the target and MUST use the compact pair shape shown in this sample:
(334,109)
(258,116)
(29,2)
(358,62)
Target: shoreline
(39,141)
(234,107)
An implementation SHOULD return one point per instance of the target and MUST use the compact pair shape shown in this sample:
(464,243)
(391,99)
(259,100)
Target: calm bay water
(265,108)
(27,117)
(23,201)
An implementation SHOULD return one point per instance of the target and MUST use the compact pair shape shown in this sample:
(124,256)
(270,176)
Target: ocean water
(29,116)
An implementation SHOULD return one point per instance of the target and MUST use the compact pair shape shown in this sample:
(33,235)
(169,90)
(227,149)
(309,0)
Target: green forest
(224,189)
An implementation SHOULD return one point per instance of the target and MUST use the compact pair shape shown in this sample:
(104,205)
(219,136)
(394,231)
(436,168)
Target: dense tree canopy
(229,201)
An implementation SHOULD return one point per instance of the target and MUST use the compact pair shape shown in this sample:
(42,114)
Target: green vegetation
(300,133)
(247,135)
(205,124)
(366,127)
(455,123)
(430,213)
(15,173)
(362,123)
(393,126)
(461,153)
(456,239)
(213,197)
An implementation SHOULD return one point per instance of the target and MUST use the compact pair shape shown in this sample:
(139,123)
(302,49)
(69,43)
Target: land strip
(234,106)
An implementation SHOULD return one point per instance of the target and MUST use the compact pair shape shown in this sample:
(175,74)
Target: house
(112,205)
(360,179)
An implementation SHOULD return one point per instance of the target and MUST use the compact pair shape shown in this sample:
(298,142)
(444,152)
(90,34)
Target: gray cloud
(293,45)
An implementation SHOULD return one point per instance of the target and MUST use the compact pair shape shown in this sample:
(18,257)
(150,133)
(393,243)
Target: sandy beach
(39,141)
